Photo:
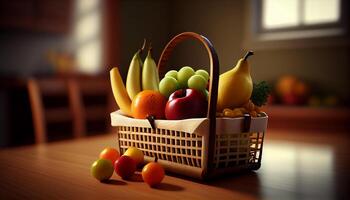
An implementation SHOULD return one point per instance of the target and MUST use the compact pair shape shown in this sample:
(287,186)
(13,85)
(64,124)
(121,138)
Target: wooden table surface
(295,165)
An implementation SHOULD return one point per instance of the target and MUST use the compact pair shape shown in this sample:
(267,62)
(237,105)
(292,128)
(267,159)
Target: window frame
(341,22)
(256,37)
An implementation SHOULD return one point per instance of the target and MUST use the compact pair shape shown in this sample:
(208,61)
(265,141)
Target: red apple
(125,167)
(186,103)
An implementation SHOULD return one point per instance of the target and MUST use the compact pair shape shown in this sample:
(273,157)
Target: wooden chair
(94,88)
(40,88)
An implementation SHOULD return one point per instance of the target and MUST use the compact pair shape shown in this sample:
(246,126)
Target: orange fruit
(153,174)
(148,102)
(286,84)
(110,154)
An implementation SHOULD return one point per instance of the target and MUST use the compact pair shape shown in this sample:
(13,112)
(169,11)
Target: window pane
(89,57)
(321,11)
(280,13)
(87,27)
(86,5)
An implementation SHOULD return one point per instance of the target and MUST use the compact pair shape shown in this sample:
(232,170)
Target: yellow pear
(235,85)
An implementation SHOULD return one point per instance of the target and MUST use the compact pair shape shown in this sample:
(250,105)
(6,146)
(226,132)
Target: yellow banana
(133,80)
(119,92)
(150,77)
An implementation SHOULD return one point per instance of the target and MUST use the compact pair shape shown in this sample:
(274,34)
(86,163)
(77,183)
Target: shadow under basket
(182,146)
(197,147)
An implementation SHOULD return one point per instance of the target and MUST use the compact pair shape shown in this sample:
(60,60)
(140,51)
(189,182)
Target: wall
(220,21)
(23,54)
(139,20)
(223,22)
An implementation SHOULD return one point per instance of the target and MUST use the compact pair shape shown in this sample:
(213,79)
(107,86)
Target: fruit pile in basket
(184,94)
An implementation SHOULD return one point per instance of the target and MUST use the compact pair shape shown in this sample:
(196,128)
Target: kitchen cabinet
(53,16)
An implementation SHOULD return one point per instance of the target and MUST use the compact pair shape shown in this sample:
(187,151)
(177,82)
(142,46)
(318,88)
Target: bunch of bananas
(149,74)
(141,76)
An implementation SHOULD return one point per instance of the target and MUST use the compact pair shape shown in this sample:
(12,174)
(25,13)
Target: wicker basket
(198,147)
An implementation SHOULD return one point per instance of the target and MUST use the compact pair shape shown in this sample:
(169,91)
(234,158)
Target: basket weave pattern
(174,146)
(231,150)
(238,149)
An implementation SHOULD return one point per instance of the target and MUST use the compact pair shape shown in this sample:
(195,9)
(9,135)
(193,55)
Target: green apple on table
(102,169)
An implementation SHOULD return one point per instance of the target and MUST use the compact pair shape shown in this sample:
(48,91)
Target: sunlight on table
(298,167)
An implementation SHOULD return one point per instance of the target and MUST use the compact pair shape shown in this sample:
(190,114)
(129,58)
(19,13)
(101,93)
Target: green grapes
(171,73)
(197,82)
(203,73)
(183,75)
(168,85)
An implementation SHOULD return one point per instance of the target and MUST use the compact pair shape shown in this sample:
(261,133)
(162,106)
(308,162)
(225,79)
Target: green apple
(102,169)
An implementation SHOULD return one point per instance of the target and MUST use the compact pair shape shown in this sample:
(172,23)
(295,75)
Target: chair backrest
(95,99)
(44,87)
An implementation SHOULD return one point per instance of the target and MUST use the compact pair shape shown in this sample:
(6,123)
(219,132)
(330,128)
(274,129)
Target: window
(87,36)
(296,13)
(285,20)
(293,19)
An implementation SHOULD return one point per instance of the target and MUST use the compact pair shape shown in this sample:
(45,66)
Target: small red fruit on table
(125,167)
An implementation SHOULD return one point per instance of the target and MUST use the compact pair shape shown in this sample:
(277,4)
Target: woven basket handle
(214,78)
(214,65)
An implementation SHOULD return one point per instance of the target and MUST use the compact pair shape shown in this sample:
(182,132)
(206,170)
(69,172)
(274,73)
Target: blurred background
(56,55)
